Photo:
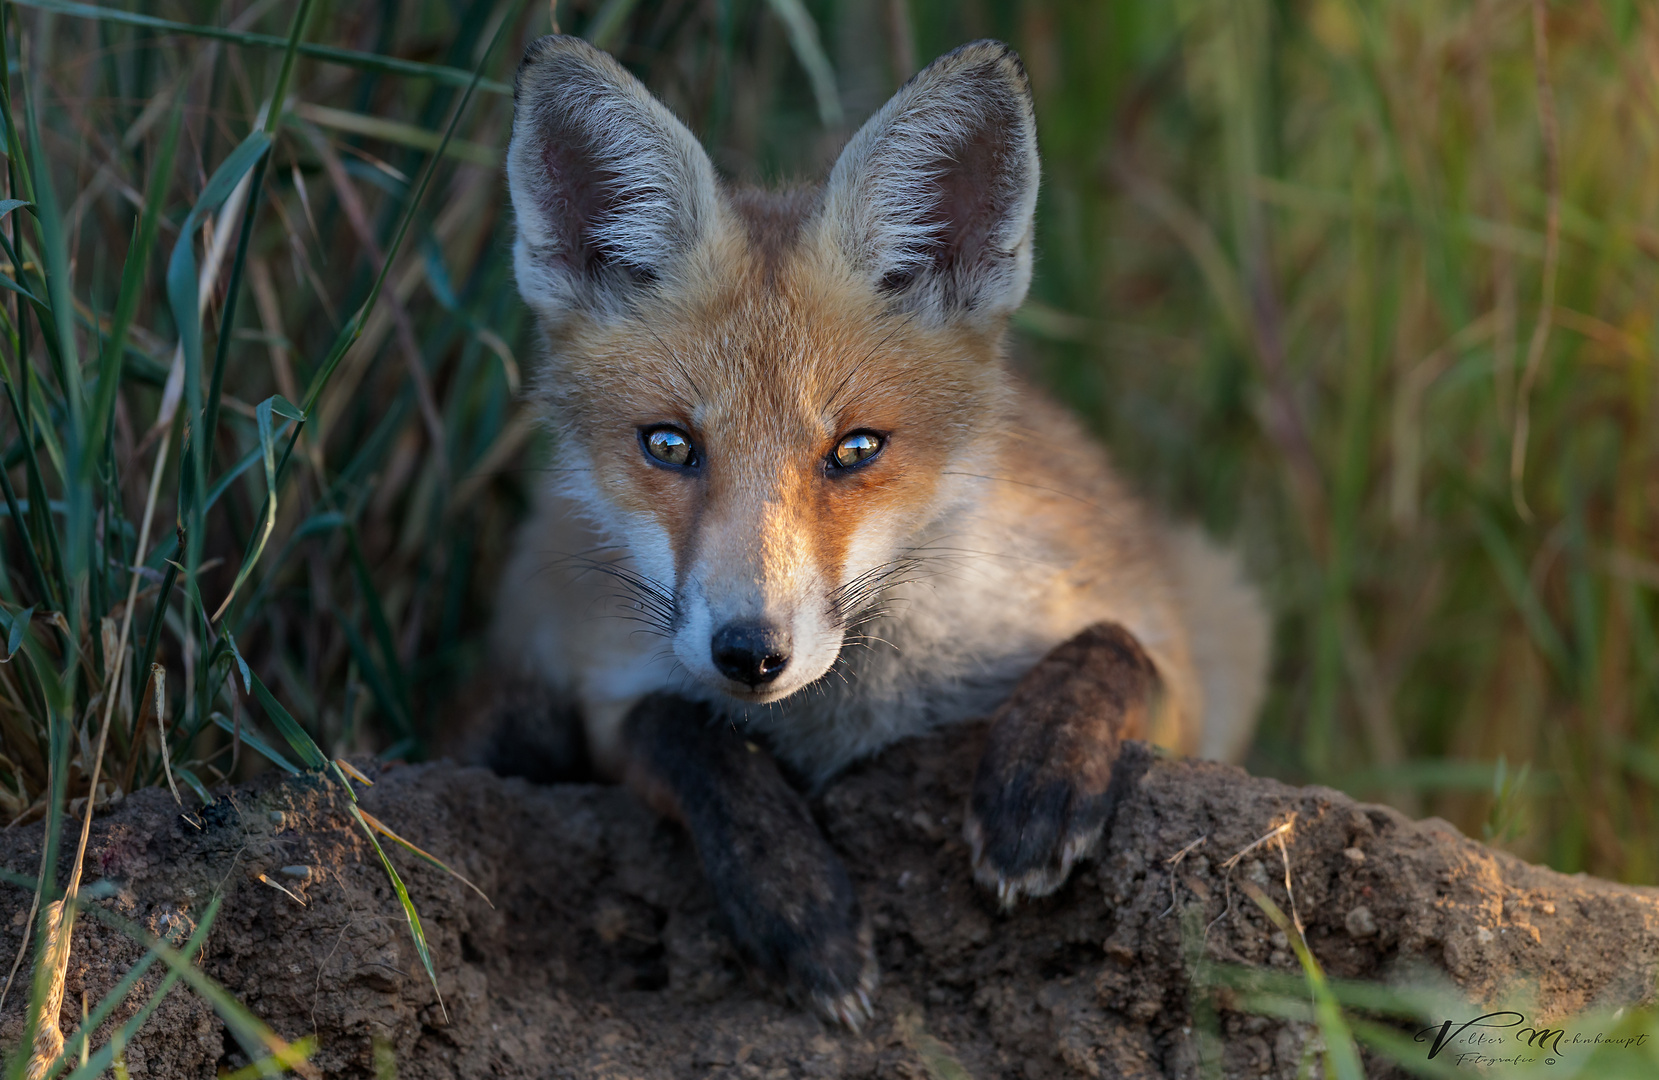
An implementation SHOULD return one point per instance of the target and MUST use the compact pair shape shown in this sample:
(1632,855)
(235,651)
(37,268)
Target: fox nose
(750,653)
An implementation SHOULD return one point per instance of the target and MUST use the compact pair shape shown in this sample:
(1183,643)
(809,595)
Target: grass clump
(90,716)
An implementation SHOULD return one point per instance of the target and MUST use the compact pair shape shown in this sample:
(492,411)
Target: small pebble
(1360,922)
(301,872)
(1353,854)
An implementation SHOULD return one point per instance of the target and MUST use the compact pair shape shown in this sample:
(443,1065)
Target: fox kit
(800,508)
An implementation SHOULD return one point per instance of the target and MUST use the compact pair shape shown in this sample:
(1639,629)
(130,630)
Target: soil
(603,955)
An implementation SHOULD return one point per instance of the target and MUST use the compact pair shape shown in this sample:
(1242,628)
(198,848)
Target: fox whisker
(654,601)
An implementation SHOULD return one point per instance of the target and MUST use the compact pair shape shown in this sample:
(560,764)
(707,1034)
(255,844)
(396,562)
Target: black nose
(751,653)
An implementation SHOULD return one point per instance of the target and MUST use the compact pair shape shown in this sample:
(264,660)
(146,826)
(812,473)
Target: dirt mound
(603,955)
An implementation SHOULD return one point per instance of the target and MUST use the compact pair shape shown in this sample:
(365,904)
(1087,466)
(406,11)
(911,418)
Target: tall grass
(122,390)
(320,539)
(1368,286)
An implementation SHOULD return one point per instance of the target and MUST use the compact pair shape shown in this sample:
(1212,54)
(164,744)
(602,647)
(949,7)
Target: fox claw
(854,1009)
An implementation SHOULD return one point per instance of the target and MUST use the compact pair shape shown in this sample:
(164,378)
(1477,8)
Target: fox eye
(669,445)
(856,449)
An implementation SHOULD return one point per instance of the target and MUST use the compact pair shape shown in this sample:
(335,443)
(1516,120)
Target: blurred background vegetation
(1366,287)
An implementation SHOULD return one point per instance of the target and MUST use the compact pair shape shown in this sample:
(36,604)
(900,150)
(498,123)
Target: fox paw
(794,914)
(1041,796)
(1026,838)
(827,966)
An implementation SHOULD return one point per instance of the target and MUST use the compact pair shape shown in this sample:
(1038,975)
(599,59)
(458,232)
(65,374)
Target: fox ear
(933,197)
(609,189)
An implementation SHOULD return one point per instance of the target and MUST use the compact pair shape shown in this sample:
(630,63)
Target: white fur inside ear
(933,198)
(608,188)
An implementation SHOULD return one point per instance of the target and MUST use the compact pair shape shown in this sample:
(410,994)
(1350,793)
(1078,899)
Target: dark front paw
(1041,794)
(787,898)
(780,886)
(1028,830)
(812,943)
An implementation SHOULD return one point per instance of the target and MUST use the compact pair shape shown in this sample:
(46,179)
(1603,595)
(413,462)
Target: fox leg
(1040,795)
(783,891)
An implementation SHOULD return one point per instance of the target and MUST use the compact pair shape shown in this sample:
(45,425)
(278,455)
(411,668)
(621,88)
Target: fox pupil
(669,446)
(856,448)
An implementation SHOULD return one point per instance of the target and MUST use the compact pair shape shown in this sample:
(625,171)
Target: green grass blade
(182,291)
(267,449)
(399,134)
(299,1051)
(256,742)
(207,442)
(18,630)
(316,523)
(296,31)
(20,172)
(31,556)
(298,738)
(8,283)
(247,461)
(194,783)
(1341,1055)
(46,409)
(58,288)
(409,912)
(59,334)
(386,65)
(117,996)
(425,856)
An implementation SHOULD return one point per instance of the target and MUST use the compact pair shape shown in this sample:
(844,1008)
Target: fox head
(767,400)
